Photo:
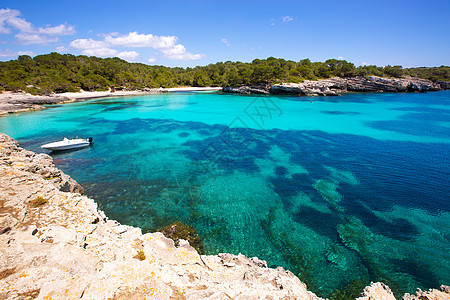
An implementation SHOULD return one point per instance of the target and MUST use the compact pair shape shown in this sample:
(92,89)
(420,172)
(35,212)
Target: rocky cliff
(56,244)
(336,86)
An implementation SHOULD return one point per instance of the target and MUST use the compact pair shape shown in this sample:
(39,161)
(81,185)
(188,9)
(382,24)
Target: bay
(341,191)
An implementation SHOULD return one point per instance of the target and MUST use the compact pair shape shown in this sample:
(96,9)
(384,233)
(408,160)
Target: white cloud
(61,49)
(7,53)
(165,44)
(28,33)
(30,53)
(128,55)
(61,29)
(287,19)
(5,15)
(11,54)
(341,57)
(88,44)
(31,38)
(226,42)
(134,39)
(178,52)
(152,59)
(101,52)
(365,63)
(272,22)
(20,24)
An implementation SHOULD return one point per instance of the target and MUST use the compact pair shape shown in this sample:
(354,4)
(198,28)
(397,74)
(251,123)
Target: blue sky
(190,33)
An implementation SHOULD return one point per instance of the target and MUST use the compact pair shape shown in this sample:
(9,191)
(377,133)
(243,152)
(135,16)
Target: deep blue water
(341,191)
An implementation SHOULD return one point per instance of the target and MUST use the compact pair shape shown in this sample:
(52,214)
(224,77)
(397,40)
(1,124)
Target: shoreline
(337,86)
(11,102)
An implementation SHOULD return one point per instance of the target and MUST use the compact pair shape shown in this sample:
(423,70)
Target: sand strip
(11,102)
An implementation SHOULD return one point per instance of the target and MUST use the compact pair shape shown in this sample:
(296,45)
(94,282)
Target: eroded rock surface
(336,86)
(248,89)
(380,291)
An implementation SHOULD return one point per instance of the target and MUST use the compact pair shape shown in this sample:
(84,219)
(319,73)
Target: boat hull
(67,145)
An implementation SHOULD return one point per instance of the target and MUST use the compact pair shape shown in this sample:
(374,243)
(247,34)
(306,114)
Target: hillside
(60,73)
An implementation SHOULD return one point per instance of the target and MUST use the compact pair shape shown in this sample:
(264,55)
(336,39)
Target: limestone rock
(247,89)
(178,231)
(377,291)
(41,164)
(337,85)
(431,294)
(445,85)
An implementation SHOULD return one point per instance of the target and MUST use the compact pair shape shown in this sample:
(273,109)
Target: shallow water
(339,190)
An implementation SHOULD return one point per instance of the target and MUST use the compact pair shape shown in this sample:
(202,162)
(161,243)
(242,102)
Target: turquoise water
(339,190)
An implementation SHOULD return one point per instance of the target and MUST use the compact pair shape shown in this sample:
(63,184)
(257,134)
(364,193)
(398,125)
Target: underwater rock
(355,235)
(328,190)
(178,231)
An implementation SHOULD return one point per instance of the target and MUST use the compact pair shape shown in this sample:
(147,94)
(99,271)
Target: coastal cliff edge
(336,86)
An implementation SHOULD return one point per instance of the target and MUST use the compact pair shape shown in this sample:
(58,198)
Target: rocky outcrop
(178,231)
(57,245)
(18,102)
(445,85)
(377,290)
(248,89)
(337,85)
(381,291)
(41,164)
(13,102)
(444,293)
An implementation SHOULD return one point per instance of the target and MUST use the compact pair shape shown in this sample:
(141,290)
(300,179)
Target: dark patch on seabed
(420,271)
(119,107)
(314,219)
(399,228)
(335,112)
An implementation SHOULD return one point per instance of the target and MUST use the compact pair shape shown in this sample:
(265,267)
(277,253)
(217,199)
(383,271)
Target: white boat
(67,144)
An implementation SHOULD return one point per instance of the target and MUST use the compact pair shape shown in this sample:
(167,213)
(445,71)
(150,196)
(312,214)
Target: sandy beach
(11,102)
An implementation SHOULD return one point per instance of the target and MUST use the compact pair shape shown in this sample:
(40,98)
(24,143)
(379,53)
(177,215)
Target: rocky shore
(11,102)
(56,244)
(19,102)
(336,86)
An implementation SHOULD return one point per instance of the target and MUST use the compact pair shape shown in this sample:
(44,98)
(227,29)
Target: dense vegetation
(65,73)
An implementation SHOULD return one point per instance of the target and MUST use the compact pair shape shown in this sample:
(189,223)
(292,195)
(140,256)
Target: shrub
(39,201)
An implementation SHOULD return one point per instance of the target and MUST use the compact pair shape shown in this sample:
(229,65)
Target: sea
(341,191)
